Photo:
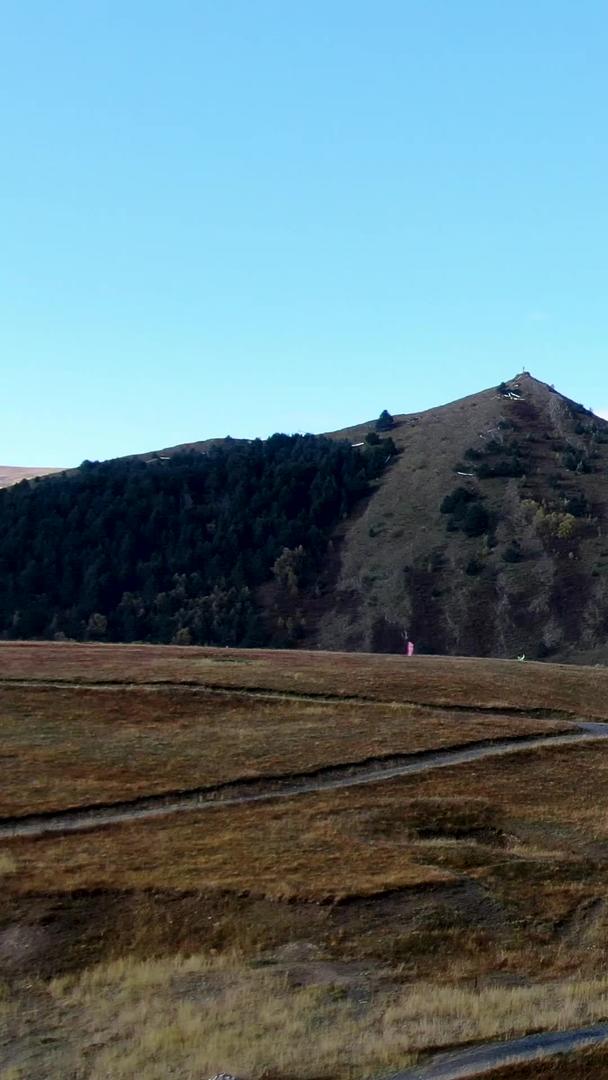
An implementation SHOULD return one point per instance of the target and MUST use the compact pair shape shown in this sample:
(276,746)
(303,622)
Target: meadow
(442,681)
(378,923)
(74,746)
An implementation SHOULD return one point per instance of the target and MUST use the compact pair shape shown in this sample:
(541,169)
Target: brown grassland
(70,747)
(445,681)
(373,923)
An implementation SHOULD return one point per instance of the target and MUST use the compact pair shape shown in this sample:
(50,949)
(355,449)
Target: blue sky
(255,215)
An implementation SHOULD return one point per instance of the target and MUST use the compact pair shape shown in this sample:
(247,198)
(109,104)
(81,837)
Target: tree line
(174,550)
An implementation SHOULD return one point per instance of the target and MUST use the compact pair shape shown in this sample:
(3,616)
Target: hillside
(12,474)
(533,575)
(482,535)
(180,548)
(518,560)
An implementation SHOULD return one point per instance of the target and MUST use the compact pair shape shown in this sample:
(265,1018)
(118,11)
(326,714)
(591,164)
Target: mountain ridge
(481,533)
(515,587)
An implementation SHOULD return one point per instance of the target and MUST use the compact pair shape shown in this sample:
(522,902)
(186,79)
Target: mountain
(475,528)
(486,535)
(12,474)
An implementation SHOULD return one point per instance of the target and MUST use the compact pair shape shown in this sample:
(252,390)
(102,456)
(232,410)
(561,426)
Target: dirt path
(480,1060)
(286,694)
(266,788)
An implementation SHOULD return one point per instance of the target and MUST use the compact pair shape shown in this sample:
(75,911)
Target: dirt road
(280,787)
(479,1060)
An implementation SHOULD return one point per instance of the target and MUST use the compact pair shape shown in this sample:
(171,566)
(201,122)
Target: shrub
(513,553)
(385,421)
(456,502)
(476,520)
(559,532)
(466,512)
(511,466)
(577,505)
(576,461)
(389,447)
(543,650)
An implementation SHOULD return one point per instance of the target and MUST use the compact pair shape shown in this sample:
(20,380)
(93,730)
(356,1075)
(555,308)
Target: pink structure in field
(408,646)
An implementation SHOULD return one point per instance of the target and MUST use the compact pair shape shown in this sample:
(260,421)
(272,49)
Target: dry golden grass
(192,1017)
(67,747)
(442,681)
(8,864)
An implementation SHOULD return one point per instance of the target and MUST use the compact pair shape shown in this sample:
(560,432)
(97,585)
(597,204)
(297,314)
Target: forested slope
(177,549)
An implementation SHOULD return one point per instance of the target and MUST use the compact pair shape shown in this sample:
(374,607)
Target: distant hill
(485,533)
(486,536)
(12,474)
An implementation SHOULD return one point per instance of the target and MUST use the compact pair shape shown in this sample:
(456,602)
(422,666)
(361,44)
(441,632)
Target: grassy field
(389,919)
(500,858)
(428,680)
(69,747)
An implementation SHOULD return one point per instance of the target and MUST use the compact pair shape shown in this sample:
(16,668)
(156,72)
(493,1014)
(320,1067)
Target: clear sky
(242,216)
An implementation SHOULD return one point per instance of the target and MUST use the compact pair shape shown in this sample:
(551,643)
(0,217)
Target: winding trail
(480,1060)
(464,1064)
(264,789)
(321,697)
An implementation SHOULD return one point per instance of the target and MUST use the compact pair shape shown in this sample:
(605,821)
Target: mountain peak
(515,562)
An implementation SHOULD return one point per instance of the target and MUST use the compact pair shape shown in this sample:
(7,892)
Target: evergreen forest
(177,549)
